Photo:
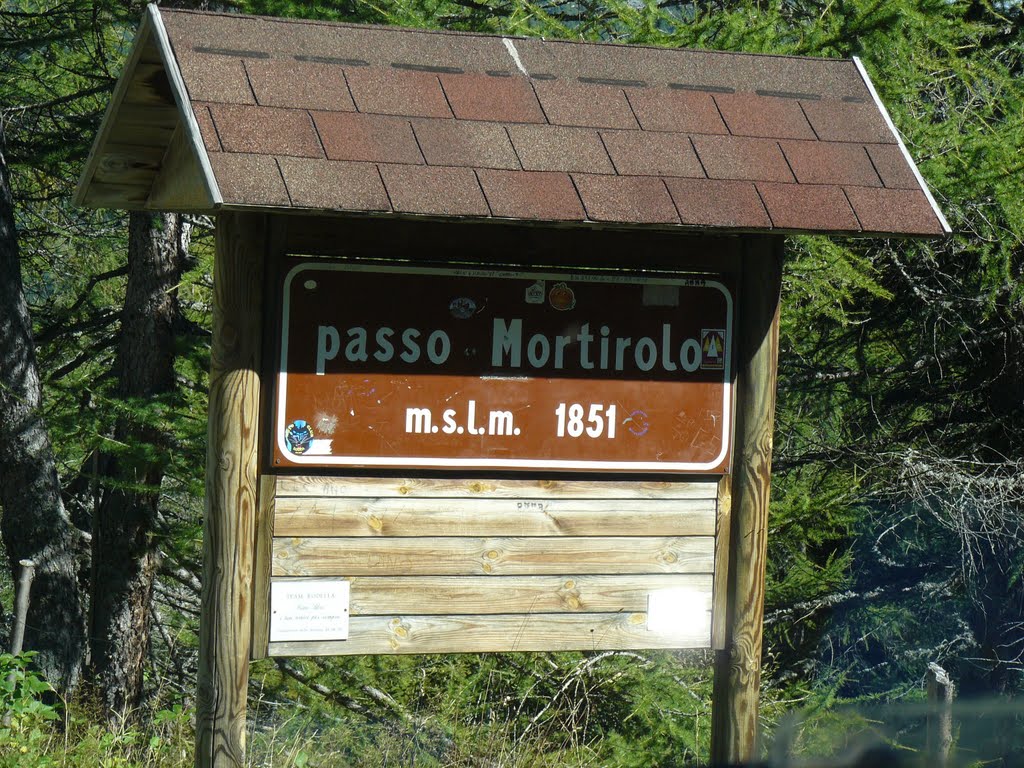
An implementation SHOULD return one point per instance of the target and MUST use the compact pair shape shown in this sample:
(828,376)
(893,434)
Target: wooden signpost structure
(495,331)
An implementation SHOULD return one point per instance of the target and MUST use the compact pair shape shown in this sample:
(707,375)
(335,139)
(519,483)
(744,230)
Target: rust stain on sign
(388,366)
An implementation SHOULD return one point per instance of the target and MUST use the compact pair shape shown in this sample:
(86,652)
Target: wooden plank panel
(298,485)
(481,634)
(179,185)
(449,595)
(469,556)
(136,115)
(128,164)
(116,196)
(149,86)
(494,517)
(142,136)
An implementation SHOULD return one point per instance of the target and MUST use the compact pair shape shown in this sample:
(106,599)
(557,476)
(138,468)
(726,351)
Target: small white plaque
(676,611)
(309,610)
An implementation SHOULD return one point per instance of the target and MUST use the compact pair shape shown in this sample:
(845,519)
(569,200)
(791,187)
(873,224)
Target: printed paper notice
(308,610)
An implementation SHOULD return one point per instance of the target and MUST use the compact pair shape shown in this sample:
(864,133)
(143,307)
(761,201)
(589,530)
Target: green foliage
(41,734)
(80,741)
(612,708)
(21,699)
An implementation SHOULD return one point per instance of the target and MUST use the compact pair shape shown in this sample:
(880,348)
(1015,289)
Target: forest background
(897,518)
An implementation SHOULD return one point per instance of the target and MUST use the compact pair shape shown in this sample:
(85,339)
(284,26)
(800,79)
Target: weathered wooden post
(232,480)
(420,440)
(738,666)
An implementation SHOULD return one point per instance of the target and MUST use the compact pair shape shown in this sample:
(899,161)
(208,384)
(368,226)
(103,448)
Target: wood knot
(477,487)
(669,557)
(637,618)
(493,554)
(570,584)
(376,523)
(574,602)
(404,489)
(399,629)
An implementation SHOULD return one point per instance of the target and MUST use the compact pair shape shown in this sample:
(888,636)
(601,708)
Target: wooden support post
(231,491)
(734,725)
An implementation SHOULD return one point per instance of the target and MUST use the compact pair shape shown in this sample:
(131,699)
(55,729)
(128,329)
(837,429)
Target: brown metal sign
(398,366)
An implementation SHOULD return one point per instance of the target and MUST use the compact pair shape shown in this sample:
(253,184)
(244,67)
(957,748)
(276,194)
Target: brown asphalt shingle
(375,138)
(639,153)
(486,97)
(266,130)
(329,185)
(808,206)
(736,157)
(301,84)
(893,210)
(217,79)
(748,114)
(819,162)
(842,121)
(671,109)
(209,133)
(532,195)
(892,166)
(436,191)
(328,116)
(585,104)
(638,199)
(556,148)
(249,179)
(397,92)
(714,203)
(465,143)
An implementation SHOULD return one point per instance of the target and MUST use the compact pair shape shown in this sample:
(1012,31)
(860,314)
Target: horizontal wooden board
(149,86)
(128,164)
(451,595)
(493,517)
(138,115)
(315,486)
(482,634)
(141,135)
(116,195)
(432,555)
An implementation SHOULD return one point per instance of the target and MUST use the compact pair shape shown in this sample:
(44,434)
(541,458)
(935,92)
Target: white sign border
(484,463)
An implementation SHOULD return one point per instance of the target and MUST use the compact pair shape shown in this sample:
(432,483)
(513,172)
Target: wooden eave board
(319,117)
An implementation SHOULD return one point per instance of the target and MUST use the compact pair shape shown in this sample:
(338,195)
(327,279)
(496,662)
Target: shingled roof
(229,112)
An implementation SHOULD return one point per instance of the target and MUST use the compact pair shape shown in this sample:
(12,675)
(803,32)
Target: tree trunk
(125,555)
(35,525)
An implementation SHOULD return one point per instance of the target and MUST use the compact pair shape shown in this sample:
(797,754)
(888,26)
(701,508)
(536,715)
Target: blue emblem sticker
(298,436)
(462,308)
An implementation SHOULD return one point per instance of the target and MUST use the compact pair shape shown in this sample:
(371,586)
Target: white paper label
(309,610)
(676,611)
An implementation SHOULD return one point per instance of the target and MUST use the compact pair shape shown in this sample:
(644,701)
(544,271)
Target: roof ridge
(497,36)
